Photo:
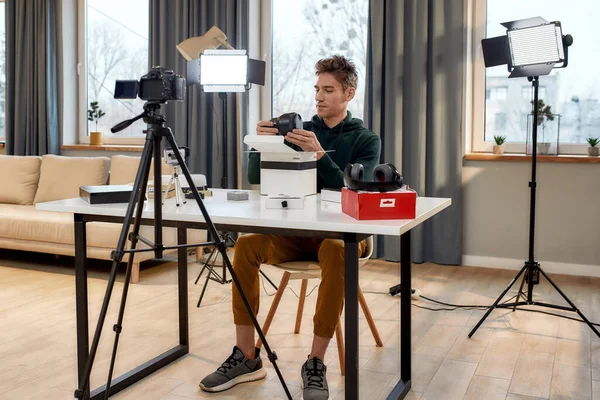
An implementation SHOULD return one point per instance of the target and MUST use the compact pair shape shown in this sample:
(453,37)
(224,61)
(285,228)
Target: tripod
(179,197)
(532,269)
(156,132)
(209,263)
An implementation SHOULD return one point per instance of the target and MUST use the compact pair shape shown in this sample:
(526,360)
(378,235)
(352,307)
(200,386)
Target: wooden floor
(519,355)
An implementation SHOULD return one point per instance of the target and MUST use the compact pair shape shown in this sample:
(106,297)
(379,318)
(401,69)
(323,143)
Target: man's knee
(249,248)
(331,253)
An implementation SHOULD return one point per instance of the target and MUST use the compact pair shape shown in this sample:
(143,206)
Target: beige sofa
(26,181)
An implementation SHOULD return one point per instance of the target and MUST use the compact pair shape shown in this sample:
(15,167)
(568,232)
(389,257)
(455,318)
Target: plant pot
(543,148)
(594,151)
(95,138)
(498,149)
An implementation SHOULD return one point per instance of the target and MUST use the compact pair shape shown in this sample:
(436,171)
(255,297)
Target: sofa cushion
(19,179)
(124,168)
(27,223)
(61,177)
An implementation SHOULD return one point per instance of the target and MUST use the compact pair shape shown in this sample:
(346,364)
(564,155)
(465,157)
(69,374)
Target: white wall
(496,216)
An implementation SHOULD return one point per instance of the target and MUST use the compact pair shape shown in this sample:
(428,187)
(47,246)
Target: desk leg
(81,298)
(183,288)
(403,386)
(351,313)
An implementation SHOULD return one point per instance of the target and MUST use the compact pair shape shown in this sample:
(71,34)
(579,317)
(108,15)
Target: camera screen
(223,69)
(125,89)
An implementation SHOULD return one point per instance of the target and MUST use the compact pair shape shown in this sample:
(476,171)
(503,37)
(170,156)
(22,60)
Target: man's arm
(368,156)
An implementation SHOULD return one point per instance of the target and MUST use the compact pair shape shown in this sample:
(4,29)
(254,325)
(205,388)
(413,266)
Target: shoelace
(230,363)
(315,376)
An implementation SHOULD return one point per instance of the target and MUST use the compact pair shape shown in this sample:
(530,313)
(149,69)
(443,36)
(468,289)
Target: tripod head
(150,116)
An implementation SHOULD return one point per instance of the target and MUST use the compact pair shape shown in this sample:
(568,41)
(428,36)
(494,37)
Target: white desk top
(316,215)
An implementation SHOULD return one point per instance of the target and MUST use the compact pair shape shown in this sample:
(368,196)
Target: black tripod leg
(268,280)
(223,249)
(144,165)
(493,306)
(519,293)
(199,275)
(210,271)
(134,238)
(592,327)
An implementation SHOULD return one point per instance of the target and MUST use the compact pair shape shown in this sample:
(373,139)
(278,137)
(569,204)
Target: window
(320,29)
(572,92)
(2,70)
(116,48)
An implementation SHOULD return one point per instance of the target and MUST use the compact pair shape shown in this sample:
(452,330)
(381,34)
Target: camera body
(157,86)
(287,122)
(170,157)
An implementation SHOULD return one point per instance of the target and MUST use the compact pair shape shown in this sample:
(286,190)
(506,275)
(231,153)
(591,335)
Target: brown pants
(253,250)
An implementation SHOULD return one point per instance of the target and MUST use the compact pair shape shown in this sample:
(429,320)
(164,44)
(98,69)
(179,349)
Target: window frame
(82,96)
(478,22)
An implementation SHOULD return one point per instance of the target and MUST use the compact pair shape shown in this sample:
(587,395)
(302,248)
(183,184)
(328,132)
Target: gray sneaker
(314,381)
(236,369)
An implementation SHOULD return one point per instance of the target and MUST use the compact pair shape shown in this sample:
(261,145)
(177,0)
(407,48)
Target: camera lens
(287,122)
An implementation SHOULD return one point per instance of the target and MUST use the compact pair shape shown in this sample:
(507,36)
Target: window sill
(104,147)
(582,159)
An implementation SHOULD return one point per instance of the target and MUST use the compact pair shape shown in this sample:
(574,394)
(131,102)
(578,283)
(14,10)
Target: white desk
(318,219)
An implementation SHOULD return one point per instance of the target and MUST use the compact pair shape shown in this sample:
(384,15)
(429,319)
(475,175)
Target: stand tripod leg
(592,327)
(493,306)
(142,175)
(134,238)
(519,293)
(267,278)
(223,250)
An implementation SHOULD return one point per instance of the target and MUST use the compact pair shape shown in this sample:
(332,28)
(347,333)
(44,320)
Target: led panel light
(536,45)
(224,68)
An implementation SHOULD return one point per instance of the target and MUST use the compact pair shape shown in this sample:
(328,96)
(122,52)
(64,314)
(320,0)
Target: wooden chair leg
(282,285)
(369,317)
(301,305)
(135,272)
(339,338)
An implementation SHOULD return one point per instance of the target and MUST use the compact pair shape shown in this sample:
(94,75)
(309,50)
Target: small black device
(287,122)
(158,85)
(106,194)
(385,178)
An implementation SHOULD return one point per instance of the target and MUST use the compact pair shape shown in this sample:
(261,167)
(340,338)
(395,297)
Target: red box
(399,204)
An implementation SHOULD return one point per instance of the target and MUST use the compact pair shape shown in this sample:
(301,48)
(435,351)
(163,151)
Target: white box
(283,170)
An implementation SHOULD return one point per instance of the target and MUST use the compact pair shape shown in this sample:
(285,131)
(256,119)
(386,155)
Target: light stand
(156,132)
(496,52)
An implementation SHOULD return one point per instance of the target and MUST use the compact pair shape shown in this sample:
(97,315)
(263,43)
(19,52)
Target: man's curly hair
(339,66)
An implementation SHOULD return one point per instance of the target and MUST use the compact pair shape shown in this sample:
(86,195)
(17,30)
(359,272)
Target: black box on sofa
(106,194)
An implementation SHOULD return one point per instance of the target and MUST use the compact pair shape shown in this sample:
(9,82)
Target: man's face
(330,97)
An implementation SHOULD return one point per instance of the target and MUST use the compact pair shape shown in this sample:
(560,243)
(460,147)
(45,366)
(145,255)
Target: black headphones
(385,178)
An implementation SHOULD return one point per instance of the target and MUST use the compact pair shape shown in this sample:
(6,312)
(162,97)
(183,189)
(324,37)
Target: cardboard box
(399,204)
(283,170)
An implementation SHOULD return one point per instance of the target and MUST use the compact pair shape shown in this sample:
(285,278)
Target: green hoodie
(351,142)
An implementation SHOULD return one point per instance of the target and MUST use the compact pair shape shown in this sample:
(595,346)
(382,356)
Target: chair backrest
(368,251)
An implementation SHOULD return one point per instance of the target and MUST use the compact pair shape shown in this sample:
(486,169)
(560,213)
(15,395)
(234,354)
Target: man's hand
(263,128)
(306,140)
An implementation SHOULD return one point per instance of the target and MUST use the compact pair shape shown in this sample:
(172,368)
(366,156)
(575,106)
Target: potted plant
(593,150)
(544,114)
(499,146)
(94,114)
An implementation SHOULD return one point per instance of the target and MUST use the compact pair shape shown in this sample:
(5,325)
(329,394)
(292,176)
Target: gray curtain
(414,100)
(197,121)
(31,78)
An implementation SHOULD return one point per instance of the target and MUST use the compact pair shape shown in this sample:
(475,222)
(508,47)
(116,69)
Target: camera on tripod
(159,85)
(170,157)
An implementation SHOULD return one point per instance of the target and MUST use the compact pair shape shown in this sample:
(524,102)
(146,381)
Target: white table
(317,219)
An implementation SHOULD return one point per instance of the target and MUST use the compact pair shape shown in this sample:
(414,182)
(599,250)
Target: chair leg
(282,285)
(301,305)
(339,338)
(369,317)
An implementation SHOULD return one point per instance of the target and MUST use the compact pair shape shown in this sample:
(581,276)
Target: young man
(332,128)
